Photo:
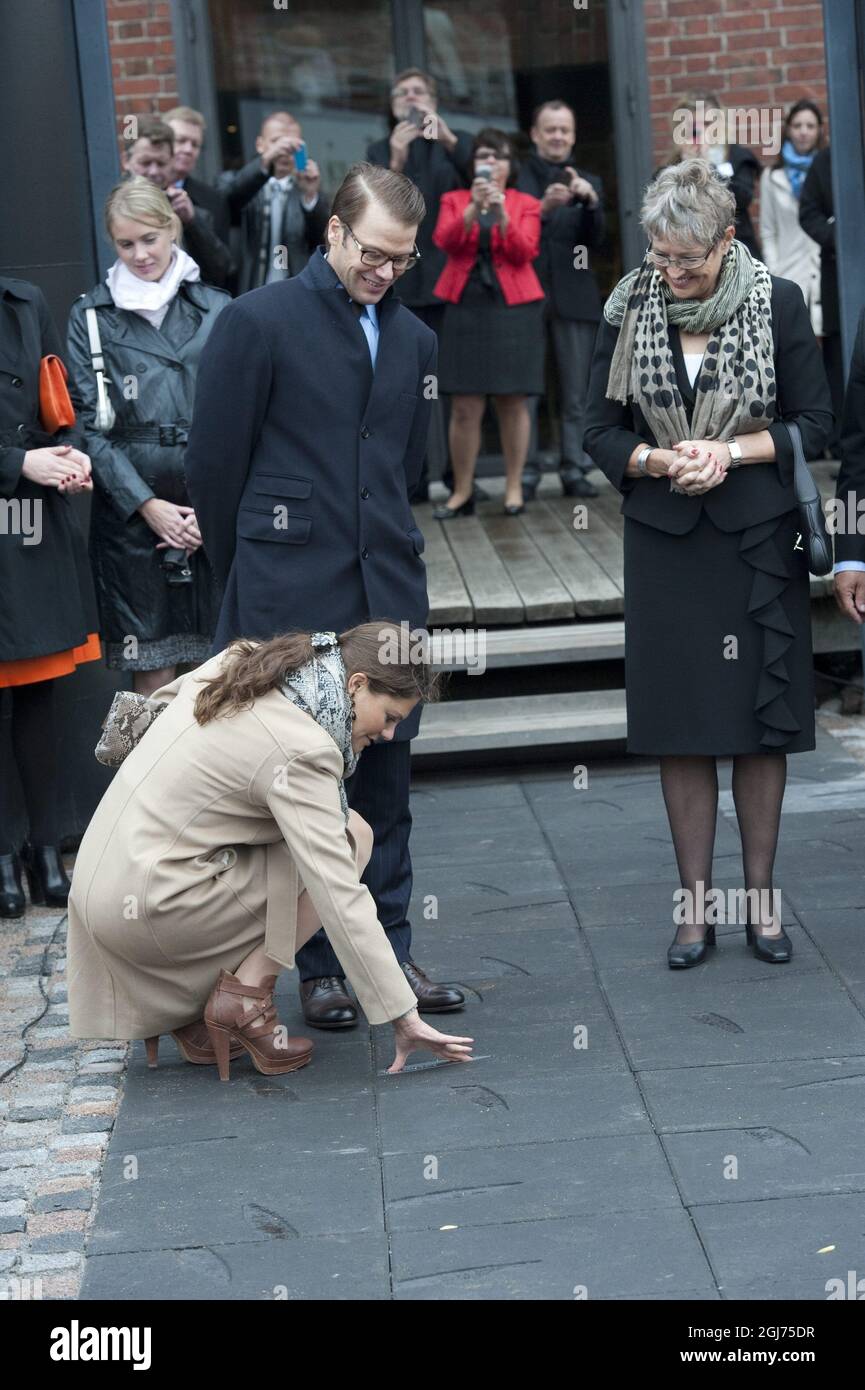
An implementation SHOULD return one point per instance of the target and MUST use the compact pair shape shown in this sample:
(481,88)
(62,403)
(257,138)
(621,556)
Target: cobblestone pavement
(59,1098)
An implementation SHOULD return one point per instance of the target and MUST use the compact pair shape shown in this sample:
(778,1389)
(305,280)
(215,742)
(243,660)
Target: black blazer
(301,460)
(851,479)
(216,203)
(48,603)
(755,491)
(817,218)
(572,294)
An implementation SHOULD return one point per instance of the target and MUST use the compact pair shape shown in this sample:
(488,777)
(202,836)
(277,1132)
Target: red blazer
(512,254)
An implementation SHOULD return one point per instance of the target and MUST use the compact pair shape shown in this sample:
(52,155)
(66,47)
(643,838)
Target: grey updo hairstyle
(688,202)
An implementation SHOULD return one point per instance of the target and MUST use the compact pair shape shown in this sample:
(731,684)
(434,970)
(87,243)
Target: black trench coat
(47,603)
(135,599)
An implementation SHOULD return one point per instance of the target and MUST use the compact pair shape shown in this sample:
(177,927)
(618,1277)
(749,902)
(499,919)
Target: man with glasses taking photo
(311,418)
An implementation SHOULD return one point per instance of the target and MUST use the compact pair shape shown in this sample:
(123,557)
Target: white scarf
(150,298)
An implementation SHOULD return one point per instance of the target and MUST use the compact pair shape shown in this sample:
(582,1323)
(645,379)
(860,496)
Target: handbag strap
(96,357)
(806,489)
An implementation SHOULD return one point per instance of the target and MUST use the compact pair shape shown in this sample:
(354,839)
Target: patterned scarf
(735,388)
(319,689)
(796,166)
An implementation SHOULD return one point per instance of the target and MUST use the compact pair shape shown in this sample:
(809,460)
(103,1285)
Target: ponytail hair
(385,652)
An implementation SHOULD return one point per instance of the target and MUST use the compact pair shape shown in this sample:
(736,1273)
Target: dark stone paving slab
(526,1182)
(482,1107)
(233,1190)
(611,1255)
(353,1266)
(545,1169)
(785,1249)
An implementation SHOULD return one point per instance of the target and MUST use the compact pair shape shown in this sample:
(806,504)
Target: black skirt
(718,656)
(490,348)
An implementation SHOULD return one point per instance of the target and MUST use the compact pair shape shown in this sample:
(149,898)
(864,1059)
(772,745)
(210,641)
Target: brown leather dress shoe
(327,1004)
(431,998)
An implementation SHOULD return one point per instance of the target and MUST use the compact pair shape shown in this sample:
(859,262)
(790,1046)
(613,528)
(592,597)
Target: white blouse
(692,365)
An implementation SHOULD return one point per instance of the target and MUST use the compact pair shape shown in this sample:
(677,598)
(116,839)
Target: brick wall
(752,53)
(143,61)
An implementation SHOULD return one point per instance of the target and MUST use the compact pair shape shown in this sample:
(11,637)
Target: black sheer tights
(690,788)
(28,739)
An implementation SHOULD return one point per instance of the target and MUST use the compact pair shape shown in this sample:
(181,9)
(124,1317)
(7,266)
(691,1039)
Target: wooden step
(526,646)
(530,722)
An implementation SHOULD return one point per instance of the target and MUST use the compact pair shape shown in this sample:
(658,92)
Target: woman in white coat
(788,251)
(225,841)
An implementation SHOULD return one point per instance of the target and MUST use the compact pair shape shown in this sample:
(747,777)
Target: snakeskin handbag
(126,722)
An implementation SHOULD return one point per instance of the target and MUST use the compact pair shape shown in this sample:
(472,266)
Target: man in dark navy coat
(311,416)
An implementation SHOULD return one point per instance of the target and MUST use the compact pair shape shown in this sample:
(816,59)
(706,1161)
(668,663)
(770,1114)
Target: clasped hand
(699,465)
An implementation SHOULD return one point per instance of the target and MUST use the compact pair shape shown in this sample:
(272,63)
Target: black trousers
(379,792)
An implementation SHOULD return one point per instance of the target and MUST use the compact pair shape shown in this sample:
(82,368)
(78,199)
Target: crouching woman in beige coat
(225,841)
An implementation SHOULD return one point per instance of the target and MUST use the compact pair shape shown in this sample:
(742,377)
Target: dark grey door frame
(844,30)
(98,111)
(629,85)
(196,86)
(409,37)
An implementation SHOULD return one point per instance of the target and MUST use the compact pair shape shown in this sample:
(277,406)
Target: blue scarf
(796,166)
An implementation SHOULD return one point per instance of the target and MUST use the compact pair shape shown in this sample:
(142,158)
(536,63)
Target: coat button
(181,424)
(365,433)
(16,381)
(141,366)
(364,554)
(364,492)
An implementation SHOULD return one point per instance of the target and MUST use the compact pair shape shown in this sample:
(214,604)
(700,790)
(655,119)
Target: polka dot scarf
(735,387)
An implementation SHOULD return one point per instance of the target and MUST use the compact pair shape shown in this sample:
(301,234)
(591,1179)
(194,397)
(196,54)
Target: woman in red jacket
(492,341)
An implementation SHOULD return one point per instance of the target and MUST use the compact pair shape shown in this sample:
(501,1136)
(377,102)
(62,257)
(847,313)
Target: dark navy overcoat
(301,460)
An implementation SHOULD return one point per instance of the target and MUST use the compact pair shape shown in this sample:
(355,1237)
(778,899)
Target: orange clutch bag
(55,407)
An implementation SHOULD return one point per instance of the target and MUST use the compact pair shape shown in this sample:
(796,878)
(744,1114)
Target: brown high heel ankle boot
(194,1045)
(257,1030)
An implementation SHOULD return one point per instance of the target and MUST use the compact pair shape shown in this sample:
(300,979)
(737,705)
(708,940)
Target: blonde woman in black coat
(158,597)
(701,356)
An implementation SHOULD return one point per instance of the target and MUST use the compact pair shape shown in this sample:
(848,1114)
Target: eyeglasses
(370,256)
(684,262)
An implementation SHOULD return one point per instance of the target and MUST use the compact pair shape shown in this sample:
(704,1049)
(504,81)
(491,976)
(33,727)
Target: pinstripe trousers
(378,791)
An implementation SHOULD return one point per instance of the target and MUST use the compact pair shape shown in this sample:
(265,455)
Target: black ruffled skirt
(718,655)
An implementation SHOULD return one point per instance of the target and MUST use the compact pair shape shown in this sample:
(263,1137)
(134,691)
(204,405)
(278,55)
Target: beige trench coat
(197,853)
(787,250)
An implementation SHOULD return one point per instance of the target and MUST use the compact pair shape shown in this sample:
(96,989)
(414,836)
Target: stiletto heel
(152,1046)
(220,1040)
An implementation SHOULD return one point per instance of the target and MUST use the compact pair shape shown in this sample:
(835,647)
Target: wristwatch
(735,452)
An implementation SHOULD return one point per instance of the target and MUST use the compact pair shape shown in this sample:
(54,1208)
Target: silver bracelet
(643,459)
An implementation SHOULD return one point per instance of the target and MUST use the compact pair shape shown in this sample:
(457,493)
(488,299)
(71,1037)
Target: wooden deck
(492,570)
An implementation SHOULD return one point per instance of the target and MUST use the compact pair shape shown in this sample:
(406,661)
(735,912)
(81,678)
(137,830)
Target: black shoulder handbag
(815,537)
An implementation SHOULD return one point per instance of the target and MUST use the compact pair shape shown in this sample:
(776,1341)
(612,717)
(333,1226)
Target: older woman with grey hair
(700,358)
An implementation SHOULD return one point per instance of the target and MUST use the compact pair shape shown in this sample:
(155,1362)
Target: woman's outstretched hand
(411,1033)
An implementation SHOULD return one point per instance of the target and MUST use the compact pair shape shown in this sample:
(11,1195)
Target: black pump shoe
(682,957)
(446,513)
(46,876)
(777,950)
(12,901)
